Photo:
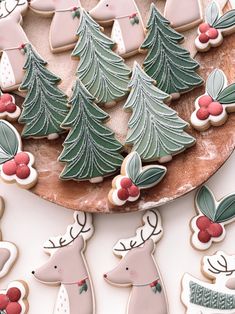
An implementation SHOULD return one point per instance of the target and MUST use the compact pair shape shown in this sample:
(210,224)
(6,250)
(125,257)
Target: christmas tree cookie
(91,151)
(103,72)
(44,107)
(8,108)
(213,107)
(216,26)
(167,62)
(126,187)
(155,130)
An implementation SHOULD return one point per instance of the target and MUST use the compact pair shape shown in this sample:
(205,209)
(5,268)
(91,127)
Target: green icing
(44,107)
(90,149)
(226,209)
(215,83)
(225,21)
(167,62)
(9,143)
(155,130)
(103,72)
(212,13)
(227,96)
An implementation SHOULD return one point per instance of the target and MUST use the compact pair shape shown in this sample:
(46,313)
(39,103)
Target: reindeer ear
(79,243)
(149,246)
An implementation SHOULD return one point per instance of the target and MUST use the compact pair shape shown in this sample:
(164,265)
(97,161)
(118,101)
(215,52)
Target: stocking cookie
(65,21)
(216,296)
(213,107)
(128,27)
(15,164)
(216,26)
(126,187)
(12,39)
(67,267)
(148,293)
(212,216)
(8,108)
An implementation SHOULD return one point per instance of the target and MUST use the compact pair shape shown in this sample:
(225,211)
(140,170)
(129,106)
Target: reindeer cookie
(65,21)
(217,296)
(67,268)
(128,27)
(12,39)
(8,108)
(15,164)
(147,295)
(216,26)
(212,216)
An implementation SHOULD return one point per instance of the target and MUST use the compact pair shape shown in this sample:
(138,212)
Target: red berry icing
(123,194)
(126,183)
(202,114)
(22,171)
(203,223)
(212,33)
(11,107)
(204,27)
(215,108)
(9,168)
(205,101)
(204,236)
(203,38)
(6,98)
(14,294)
(22,158)
(13,308)
(2,107)
(3,301)
(215,230)
(134,191)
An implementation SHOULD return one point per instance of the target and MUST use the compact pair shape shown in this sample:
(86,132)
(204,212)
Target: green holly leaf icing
(155,130)
(227,96)
(102,71)
(212,13)
(150,176)
(225,21)
(205,202)
(44,107)
(9,143)
(168,63)
(215,83)
(90,149)
(133,166)
(226,209)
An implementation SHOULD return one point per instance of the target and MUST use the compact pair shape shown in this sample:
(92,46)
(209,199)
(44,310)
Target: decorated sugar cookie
(128,27)
(102,71)
(216,26)
(212,216)
(183,14)
(15,164)
(44,107)
(65,21)
(13,299)
(90,150)
(213,107)
(168,63)
(8,108)
(155,130)
(126,187)
(216,296)
(12,39)
(138,269)
(67,267)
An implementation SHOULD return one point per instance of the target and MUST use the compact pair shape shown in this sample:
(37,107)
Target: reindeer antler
(218,264)
(7,11)
(81,227)
(152,229)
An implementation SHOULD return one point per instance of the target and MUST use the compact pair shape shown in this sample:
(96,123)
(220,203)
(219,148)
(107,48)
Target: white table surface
(29,221)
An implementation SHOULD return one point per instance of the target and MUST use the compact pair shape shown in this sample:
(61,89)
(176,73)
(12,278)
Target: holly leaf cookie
(213,107)
(15,164)
(8,108)
(212,217)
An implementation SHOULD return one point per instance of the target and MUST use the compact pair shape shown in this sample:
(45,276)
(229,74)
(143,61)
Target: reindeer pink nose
(105,276)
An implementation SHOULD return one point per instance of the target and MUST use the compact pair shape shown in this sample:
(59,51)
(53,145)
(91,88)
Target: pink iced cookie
(216,25)
(8,108)
(138,270)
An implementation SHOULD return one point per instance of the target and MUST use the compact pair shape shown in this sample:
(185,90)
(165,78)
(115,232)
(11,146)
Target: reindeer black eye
(55,267)
(127,268)
(107,5)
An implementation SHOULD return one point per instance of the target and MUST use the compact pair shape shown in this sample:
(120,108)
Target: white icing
(96,180)
(53,136)
(117,37)
(13,255)
(7,78)
(62,302)
(211,43)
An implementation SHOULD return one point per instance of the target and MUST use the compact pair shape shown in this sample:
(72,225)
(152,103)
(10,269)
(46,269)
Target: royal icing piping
(216,296)
(8,108)
(67,267)
(44,107)
(103,72)
(90,149)
(167,62)
(148,293)
(213,107)
(212,216)
(155,130)
(216,25)
(15,164)
(134,178)
(128,27)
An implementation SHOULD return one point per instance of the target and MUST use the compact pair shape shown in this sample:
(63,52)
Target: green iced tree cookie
(155,130)
(44,107)
(167,62)
(90,149)
(102,71)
